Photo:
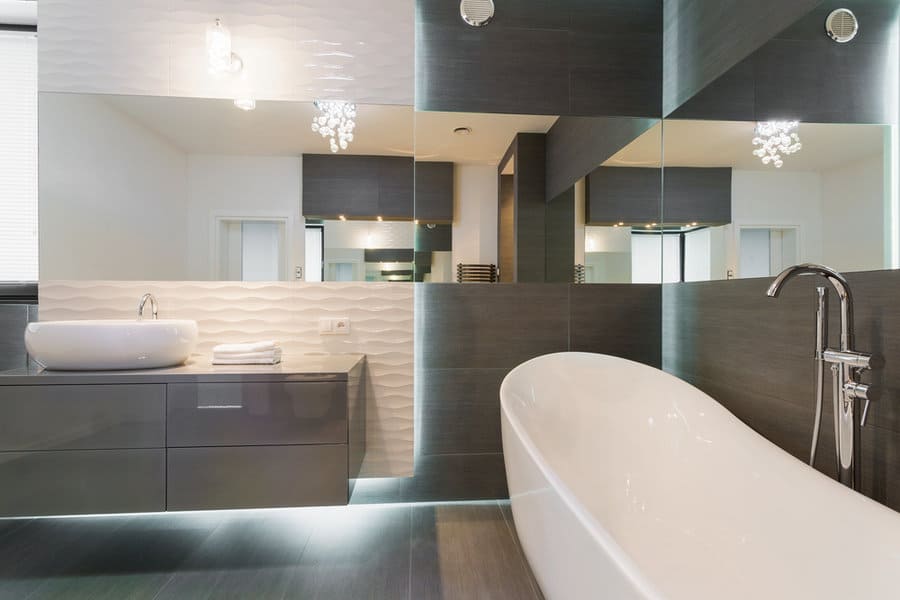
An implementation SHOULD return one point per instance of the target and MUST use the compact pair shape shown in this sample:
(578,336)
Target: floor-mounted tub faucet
(846,365)
(154,306)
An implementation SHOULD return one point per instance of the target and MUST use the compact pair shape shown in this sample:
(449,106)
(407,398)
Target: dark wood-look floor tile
(248,555)
(357,552)
(43,549)
(466,552)
(134,562)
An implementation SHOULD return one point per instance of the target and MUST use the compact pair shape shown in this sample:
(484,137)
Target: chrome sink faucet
(846,365)
(154,306)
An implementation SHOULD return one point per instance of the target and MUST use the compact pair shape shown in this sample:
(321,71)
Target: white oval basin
(111,344)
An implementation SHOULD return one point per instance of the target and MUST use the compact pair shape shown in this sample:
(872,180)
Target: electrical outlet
(340,326)
(334,326)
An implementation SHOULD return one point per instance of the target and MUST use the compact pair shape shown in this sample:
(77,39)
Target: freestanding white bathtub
(627,482)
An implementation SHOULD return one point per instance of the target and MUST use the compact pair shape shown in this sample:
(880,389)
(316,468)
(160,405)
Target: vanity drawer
(240,414)
(82,417)
(257,477)
(82,482)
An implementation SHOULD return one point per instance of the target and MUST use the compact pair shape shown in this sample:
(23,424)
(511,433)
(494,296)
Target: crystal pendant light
(219,56)
(776,139)
(335,122)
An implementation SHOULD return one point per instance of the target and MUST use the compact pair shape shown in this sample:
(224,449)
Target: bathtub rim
(618,556)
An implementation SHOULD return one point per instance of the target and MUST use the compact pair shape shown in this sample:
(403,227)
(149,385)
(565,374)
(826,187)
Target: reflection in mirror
(729,213)
(622,241)
(524,198)
(465,167)
(162,188)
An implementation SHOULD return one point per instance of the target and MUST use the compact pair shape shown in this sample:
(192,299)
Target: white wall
(853,199)
(475,214)
(95,161)
(777,199)
(227,186)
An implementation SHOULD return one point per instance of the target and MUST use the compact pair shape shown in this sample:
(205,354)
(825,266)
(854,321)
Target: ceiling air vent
(842,25)
(477,13)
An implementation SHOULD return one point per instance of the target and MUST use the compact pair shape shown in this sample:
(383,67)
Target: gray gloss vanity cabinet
(191,438)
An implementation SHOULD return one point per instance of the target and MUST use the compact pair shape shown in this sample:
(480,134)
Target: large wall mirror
(142,187)
(795,153)
(516,198)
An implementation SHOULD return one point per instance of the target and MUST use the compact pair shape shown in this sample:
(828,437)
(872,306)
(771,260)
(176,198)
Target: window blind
(18,157)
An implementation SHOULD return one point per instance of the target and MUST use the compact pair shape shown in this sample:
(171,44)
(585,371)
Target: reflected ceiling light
(335,122)
(776,139)
(379,218)
(245,103)
(218,50)
(342,217)
(463,131)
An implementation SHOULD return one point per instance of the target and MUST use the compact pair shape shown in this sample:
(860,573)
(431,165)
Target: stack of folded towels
(257,353)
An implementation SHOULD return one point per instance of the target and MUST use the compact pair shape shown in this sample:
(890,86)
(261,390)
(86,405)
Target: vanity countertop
(303,367)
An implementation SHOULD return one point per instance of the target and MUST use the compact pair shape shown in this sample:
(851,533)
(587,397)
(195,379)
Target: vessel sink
(111,344)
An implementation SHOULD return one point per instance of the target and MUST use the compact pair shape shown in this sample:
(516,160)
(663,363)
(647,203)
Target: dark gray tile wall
(754,355)
(578,145)
(790,75)
(468,337)
(530,207)
(703,39)
(560,238)
(578,57)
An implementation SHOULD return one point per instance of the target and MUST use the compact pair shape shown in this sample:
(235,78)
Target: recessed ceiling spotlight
(463,131)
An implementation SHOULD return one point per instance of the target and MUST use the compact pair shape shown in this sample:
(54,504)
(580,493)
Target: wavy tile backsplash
(381,328)
(299,51)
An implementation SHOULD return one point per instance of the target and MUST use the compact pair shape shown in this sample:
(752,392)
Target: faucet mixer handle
(862,391)
(856,360)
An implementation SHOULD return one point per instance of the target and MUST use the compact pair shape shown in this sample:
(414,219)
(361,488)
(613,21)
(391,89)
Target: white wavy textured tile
(381,324)
(293,49)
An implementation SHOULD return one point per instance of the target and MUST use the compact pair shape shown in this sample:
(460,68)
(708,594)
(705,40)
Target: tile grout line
(520,551)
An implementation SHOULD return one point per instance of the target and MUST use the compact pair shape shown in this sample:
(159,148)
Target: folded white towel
(246,361)
(248,355)
(246,348)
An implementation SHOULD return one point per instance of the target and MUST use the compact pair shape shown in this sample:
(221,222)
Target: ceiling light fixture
(245,103)
(336,121)
(776,139)
(463,131)
(222,61)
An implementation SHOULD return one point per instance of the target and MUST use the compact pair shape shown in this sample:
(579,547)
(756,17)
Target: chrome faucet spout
(154,306)
(851,397)
(837,281)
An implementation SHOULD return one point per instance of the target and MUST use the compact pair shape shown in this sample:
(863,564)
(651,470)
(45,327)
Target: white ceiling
(729,144)
(490,138)
(206,126)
